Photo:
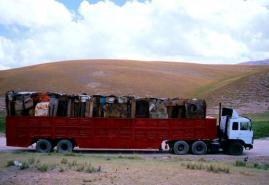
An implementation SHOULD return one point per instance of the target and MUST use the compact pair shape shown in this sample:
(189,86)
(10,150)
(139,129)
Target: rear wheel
(64,146)
(43,146)
(181,147)
(199,148)
(235,148)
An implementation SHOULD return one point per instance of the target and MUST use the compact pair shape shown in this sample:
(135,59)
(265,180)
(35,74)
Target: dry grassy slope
(120,77)
(248,94)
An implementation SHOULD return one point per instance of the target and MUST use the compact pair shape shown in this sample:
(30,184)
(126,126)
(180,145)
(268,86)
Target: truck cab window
(235,126)
(244,126)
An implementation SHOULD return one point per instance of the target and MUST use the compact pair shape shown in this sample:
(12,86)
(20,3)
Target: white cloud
(3,67)
(209,31)
(34,13)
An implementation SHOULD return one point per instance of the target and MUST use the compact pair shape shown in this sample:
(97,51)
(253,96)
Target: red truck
(182,135)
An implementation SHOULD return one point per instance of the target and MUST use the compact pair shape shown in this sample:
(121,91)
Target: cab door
(245,131)
(240,130)
(233,130)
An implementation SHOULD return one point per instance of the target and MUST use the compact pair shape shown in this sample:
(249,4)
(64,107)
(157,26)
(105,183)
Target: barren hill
(249,94)
(257,62)
(122,77)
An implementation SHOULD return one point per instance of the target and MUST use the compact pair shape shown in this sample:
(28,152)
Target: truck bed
(110,133)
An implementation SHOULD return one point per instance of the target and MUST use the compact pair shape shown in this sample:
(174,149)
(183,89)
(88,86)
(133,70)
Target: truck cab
(236,132)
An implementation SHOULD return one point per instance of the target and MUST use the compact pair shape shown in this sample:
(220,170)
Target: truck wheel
(64,146)
(181,147)
(235,148)
(199,148)
(43,146)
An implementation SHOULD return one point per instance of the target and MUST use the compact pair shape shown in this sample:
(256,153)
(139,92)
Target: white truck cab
(240,129)
(236,132)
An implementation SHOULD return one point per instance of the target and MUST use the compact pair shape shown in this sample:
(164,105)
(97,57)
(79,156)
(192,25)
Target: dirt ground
(128,170)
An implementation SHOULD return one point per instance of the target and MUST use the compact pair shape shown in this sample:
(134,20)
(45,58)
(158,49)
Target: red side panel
(108,132)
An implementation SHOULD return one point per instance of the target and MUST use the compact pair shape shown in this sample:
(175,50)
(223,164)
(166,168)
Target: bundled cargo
(21,103)
(142,107)
(157,108)
(42,109)
(117,107)
(151,108)
(176,108)
(186,108)
(98,103)
(77,105)
(83,105)
(195,108)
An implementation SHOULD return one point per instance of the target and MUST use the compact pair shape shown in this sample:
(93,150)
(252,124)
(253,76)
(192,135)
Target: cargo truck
(198,135)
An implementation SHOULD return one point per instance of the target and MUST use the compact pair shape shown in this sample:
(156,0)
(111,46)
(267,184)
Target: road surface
(260,149)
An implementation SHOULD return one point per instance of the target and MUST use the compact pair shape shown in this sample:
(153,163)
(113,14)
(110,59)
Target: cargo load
(83,105)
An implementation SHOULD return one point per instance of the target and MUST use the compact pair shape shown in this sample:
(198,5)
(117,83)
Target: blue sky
(204,31)
(74,4)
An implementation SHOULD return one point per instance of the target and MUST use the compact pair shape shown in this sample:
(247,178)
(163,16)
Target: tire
(181,147)
(64,146)
(43,146)
(199,148)
(235,148)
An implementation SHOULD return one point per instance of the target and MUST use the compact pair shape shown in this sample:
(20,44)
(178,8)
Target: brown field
(129,169)
(121,77)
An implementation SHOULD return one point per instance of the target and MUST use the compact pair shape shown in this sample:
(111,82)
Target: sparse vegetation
(204,90)
(31,162)
(43,167)
(72,154)
(129,157)
(80,168)
(24,165)
(64,161)
(211,167)
(260,124)
(73,163)
(10,163)
(2,122)
(240,163)
(91,169)
(263,166)
(96,168)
